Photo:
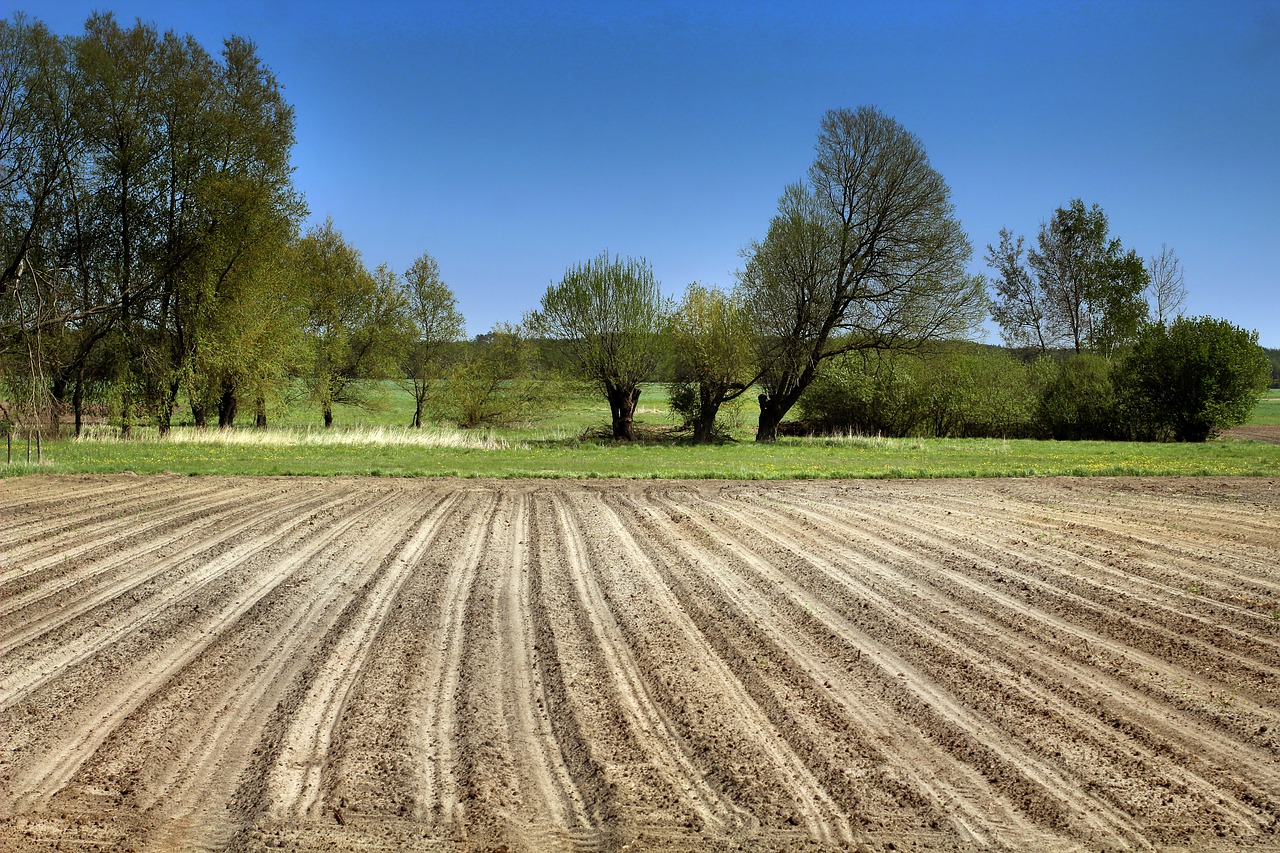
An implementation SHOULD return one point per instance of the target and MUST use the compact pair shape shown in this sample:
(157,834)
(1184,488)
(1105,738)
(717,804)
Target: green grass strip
(790,458)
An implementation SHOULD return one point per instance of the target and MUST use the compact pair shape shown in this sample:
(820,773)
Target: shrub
(868,394)
(958,391)
(974,393)
(1078,401)
(493,384)
(1191,379)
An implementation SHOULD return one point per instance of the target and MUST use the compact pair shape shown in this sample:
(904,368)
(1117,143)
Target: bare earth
(1269,433)
(343,664)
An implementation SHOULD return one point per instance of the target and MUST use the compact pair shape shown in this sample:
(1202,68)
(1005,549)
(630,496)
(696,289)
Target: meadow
(1267,412)
(568,439)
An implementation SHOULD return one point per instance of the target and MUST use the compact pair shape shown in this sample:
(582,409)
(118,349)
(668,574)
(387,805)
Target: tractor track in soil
(337,664)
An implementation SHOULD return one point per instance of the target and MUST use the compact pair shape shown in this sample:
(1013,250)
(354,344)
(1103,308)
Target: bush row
(1182,382)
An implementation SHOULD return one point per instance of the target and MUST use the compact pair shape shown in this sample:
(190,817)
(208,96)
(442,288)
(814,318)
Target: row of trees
(865,255)
(151,250)
(865,263)
(146,197)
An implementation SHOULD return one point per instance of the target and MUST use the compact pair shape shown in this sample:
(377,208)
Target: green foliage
(1077,288)
(953,391)
(610,314)
(1193,378)
(356,327)
(867,394)
(709,335)
(435,324)
(1273,357)
(1078,400)
(493,384)
(146,188)
(976,393)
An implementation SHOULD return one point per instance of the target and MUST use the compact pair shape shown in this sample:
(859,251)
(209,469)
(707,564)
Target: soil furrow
(849,677)
(295,782)
(140,520)
(517,777)
(47,528)
(725,724)
(437,786)
(970,724)
(188,786)
(1038,588)
(110,628)
(54,769)
(105,580)
(660,746)
(465,665)
(1019,704)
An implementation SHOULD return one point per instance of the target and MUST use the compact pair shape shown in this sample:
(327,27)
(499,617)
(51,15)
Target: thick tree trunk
(227,408)
(770,417)
(622,408)
(704,426)
(199,414)
(328,416)
(704,429)
(260,412)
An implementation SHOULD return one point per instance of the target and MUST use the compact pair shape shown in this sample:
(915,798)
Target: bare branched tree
(1166,291)
(868,255)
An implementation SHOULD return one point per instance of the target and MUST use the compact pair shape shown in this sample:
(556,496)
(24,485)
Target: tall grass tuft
(307,437)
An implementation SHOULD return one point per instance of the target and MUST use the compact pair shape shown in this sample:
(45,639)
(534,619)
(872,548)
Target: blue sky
(510,140)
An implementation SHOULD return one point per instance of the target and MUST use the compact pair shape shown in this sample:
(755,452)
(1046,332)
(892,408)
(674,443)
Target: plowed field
(374,664)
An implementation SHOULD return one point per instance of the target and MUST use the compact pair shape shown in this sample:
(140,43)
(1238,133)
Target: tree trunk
(227,407)
(260,412)
(417,415)
(77,400)
(328,416)
(704,426)
(622,408)
(199,414)
(164,416)
(126,414)
(770,416)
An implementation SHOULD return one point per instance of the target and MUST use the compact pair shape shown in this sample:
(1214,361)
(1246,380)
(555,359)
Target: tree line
(153,253)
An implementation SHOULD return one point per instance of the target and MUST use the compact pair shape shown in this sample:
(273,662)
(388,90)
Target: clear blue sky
(510,140)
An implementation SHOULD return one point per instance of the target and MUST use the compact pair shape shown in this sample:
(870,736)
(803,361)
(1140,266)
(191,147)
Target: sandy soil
(206,663)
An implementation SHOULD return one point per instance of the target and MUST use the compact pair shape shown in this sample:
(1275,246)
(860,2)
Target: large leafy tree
(1078,287)
(609,313)
(436,322)
(866,255)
